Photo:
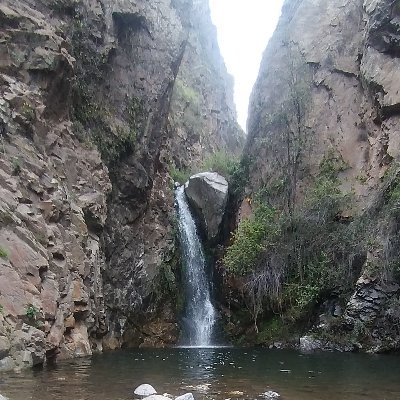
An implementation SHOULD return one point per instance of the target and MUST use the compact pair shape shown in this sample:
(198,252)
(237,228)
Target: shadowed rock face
(86,206)
(347,55)
(208,194)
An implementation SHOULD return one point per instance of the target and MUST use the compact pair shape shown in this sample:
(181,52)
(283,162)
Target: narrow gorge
(137,218)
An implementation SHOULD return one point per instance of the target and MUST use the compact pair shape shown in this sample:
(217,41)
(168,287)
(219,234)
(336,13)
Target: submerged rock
(145,390)
(208,193)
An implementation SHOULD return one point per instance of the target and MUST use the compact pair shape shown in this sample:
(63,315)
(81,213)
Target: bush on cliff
(291,257)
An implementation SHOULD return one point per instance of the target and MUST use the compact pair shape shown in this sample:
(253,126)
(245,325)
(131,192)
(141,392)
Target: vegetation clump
(16,165)
(252,237)
(179,175)
(291,257)
(90,114)
(31,312)
(3,253)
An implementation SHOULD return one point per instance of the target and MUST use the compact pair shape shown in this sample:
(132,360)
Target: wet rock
(156,397)
(236,393)
(270,395)
(208,193)
(186,396)
(145,390)
(371,311)
(310,344)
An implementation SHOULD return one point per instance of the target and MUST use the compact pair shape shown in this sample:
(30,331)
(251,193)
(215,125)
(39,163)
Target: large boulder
(207,193)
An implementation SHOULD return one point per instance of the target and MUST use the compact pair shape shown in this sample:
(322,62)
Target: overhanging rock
(207,193)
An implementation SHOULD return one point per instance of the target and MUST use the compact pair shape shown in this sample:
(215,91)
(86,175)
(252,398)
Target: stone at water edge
(271,395)
(309,344)
(3,398)
(186,396)
(207,193)
(156,397)
(144,390)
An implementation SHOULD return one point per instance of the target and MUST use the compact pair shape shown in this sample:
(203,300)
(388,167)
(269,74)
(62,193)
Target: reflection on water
(212,373)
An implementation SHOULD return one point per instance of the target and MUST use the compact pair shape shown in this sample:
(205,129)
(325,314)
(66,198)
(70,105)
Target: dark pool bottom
(220,373)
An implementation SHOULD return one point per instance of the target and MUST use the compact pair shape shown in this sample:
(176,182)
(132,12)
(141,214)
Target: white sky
(244,28)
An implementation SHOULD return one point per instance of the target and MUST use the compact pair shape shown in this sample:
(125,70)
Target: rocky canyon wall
(87,246)
(324,122)
(203,117)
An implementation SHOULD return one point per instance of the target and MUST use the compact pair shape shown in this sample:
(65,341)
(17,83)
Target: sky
(244,28)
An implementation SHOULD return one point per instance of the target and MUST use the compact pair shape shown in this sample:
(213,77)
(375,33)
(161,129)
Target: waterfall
(199,317)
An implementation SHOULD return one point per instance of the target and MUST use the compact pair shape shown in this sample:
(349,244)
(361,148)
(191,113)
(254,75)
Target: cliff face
(202,120)
(323,126)
(86,207)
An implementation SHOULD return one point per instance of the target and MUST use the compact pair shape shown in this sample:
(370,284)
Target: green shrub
(331,164)
(16,165)
(3,252)
(179,175)
(362,179)
(221,162)
(239,176)
(298,299)
(252,237)
(325,197)
(272,330)
(31,312)
(112,146)
(28,112)
(185,93)
(291,258)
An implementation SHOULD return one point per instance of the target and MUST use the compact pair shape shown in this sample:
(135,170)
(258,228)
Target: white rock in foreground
(3,398)
(144,390)
(186,396)
(271,395)
(156,397)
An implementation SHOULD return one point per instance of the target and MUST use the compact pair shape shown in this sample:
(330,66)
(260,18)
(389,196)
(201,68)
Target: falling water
(199,316)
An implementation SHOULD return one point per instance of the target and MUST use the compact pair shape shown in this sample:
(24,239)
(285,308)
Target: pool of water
(215,373)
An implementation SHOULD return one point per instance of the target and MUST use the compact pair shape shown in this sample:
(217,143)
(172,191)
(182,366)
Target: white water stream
(199,317)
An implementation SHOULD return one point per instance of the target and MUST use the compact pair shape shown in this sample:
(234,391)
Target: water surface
(219,373)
